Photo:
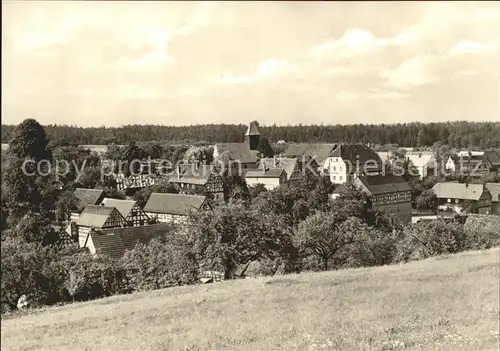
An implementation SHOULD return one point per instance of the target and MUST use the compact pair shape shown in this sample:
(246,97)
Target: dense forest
(456,134)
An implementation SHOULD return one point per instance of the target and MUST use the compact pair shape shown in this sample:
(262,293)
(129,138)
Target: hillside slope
(447,303)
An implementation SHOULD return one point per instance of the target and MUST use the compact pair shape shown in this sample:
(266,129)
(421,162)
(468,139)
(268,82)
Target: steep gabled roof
(238,152)
(114,242)
(96,216)
(355,153)
(287,164)
(174,204)
(319,152)
(494,189)
(88,196)
(252,129)
(462,191)
(420,159)
(123,206)
(383,184)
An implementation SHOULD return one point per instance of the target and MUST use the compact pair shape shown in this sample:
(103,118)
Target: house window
(334,177)
(334,168)
(141,222)
(340,177)
(457,201)
(449,200)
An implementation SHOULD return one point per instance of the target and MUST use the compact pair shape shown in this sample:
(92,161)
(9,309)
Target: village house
(129,209)
(269,177)
(460,197)
(422,161)
(86,197)
(494,189)
(306,151)
(198,179)
(174,208)
(247,153)
(114,242)
(295,168)
(389,194)
(348,161)
(95,217)
(475,163)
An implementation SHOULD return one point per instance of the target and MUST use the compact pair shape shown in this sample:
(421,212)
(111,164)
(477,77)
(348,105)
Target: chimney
(178,166)
(274,161)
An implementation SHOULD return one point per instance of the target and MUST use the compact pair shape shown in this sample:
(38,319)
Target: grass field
(445,303)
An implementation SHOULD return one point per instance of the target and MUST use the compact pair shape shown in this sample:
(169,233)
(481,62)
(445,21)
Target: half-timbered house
(198,179)
(459,197)
(129,209)
(389,194)
(174,208)
(95,217)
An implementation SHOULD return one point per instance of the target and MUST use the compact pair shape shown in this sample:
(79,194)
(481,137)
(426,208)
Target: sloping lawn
(445,303)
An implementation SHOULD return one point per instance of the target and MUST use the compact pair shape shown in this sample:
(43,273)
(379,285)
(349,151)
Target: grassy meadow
(444,303)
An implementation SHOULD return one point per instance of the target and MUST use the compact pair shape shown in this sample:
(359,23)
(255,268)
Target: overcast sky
(114,63)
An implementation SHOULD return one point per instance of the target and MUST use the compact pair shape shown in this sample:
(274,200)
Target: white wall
(269,183)
(337,170)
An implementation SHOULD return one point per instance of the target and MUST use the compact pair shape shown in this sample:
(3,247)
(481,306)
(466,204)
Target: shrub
(430,238)
(160,264)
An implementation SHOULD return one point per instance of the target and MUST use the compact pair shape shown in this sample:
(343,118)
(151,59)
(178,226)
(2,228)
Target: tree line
(460,134)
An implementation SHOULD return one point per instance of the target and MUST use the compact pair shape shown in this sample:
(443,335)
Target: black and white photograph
(250,175)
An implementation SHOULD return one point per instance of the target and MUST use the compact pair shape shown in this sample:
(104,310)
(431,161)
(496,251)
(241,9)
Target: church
(245,153)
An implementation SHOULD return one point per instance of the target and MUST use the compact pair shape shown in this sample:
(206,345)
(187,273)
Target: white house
(269,177)
(346,162)
(422,161)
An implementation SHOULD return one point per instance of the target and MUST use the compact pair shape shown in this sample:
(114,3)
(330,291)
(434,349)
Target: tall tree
(29,177)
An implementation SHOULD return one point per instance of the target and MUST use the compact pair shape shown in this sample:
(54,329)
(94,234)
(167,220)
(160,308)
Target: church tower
(252,137)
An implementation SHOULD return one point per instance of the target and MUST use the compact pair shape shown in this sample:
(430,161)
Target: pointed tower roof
(252,129)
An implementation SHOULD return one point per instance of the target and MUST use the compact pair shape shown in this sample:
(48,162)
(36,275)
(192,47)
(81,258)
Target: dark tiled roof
(95,216)
(88,196)
(288,164)
(355,153)
(268,173)
(462,191)
(252,129)
(175,204)
(123,206)
(493,157)
(320,152)
(382,184)
(494,189)
(238,152)
(114,242)
(192,174)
